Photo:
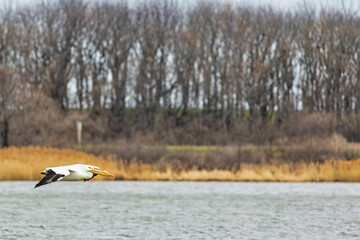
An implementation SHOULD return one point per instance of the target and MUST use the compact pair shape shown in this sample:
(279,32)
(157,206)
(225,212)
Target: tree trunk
(5,134)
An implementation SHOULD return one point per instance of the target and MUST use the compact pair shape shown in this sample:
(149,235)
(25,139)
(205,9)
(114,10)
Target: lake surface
(179,210)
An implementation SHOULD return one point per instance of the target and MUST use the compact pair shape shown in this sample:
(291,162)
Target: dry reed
(26,164)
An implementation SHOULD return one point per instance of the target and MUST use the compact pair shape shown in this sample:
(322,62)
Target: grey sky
(292,5)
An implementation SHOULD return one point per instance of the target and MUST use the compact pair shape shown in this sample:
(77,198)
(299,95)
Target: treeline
(213,72)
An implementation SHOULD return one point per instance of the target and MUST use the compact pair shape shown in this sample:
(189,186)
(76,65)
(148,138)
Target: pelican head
(96,171)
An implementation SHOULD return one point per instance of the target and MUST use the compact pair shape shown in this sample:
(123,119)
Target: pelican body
(75,172)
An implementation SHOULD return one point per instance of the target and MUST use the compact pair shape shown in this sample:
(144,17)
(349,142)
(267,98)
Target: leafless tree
(11,86)
(157,66)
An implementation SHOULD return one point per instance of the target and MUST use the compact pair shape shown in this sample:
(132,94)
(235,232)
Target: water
(179,210)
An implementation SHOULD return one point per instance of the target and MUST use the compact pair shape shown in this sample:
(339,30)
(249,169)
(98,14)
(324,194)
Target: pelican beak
(103,173)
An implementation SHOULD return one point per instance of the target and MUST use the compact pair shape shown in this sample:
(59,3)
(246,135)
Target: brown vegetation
(280,90)
(27,163)
(209,74)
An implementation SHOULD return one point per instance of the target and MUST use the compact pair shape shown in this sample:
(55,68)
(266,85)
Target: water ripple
(179,210)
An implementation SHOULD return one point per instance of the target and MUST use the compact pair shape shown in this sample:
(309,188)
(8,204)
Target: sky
(291,5)
(295,4)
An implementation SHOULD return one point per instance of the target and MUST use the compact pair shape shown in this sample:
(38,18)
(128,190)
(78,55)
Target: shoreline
(25,164)
(224,181)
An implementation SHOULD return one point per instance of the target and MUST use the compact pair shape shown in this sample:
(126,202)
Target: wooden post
(78,130)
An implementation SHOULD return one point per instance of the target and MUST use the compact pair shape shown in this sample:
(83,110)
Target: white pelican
(75,172)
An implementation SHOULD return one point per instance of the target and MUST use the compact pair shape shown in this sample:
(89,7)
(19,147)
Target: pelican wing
(53,175)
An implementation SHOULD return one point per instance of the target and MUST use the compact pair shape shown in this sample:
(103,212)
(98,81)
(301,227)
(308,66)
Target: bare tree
(10,100)
(121,36)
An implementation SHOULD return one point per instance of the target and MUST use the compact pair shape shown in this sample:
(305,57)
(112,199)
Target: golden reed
(26,164)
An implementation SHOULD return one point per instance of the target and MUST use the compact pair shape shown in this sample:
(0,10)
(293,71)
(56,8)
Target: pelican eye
(89,167)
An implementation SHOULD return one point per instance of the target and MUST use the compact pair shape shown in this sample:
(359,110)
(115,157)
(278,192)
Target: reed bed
(26,164)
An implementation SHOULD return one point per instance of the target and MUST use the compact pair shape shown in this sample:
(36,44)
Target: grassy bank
(27,163)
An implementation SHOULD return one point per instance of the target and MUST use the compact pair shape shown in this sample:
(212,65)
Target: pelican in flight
(75,172)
